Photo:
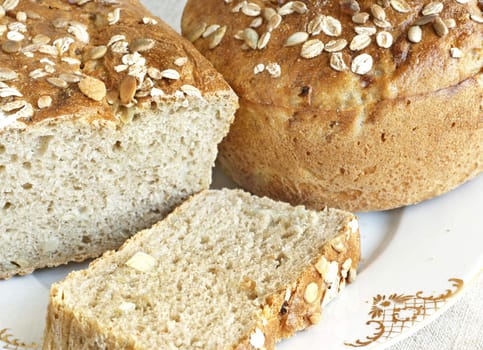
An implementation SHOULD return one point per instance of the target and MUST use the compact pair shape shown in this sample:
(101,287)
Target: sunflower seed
(456,53)
(450,23)
(210,30)
(127,89)
(38,73)
(384,39)
(299,7)
(439,27)
(238,7)
(190,90)
(286,9)
(195,33)
(40,39)
(180,61)
(96,52)
(257,22)
(415,34)
(331,26)
(239,35)
(312,48)
(433,8)
(362,64)
(296,38)
(360,42)
(421,21)
(462,1)
(268,13)
(350,6)
(251,9)
(400,6)
(477,18)
(57,82)
(44,101)
(365,30)
(337,62)
(170,74)
(154,73)
(263,41)
(251,37)
(378,12)
(335,45)
(274,22)
(70,77)
(360,18)
(7,74)
(217,37)
(141,44)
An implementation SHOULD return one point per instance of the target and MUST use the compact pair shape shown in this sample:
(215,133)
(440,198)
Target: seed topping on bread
(72,54)
(374,20)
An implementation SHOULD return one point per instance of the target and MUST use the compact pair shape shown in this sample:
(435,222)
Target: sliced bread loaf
(226,270)
(108,120)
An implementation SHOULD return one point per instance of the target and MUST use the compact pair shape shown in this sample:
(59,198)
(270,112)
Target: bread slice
(108,120)
(226,270)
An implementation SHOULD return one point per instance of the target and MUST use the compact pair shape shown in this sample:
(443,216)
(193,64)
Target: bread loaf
(361,105)
(226,270)
(108,120)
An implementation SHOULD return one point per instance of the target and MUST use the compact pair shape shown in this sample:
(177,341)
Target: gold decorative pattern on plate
(9,342)
(393,314)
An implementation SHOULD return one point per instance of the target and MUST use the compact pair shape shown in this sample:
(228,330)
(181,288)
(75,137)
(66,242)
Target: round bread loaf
(359,105)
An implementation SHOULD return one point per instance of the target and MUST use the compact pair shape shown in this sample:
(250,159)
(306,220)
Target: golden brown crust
(428,146)
(404,69)
(321,137)
(60,38)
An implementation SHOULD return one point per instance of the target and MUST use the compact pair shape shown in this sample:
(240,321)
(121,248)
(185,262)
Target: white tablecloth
(459,328)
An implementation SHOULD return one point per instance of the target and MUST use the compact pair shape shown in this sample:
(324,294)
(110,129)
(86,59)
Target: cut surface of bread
(108,121)
(226,270)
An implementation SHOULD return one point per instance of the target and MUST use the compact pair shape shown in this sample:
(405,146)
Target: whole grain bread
(226,270)
(108,120)
(361,105)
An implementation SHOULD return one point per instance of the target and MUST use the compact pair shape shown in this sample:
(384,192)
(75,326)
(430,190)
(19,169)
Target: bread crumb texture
(226,270)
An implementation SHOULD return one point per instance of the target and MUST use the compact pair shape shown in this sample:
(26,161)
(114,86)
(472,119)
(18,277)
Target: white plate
(415,261)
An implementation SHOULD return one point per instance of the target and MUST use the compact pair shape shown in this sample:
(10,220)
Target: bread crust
(408,150)
(320,137)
